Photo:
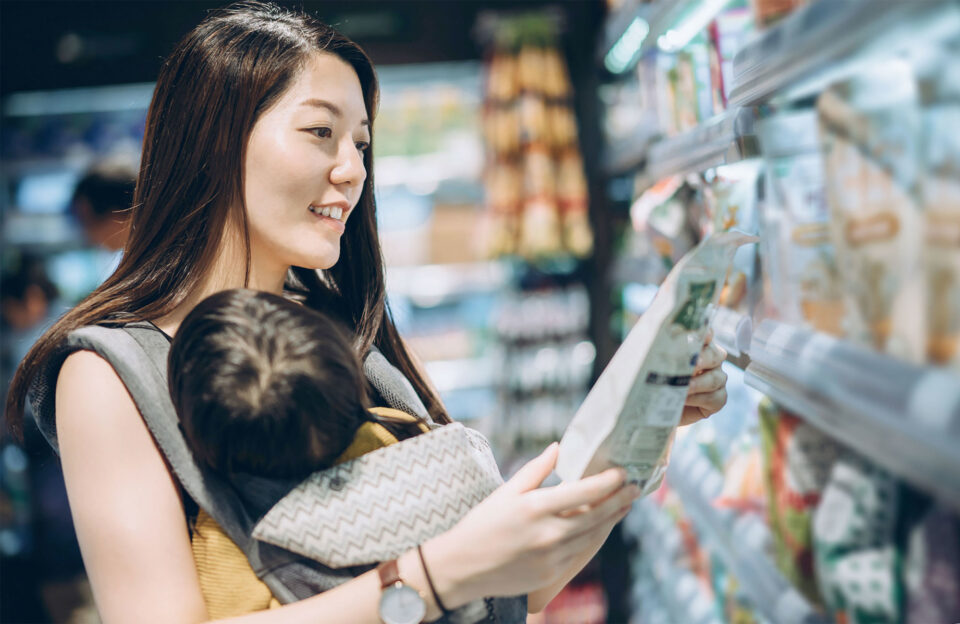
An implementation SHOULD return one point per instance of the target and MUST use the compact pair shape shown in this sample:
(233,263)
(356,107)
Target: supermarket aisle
(539,171)
(827,489)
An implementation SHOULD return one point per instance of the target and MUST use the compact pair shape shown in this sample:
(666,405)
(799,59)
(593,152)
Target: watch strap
(389,573)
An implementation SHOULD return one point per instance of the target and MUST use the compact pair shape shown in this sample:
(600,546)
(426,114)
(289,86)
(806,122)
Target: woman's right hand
(521,538)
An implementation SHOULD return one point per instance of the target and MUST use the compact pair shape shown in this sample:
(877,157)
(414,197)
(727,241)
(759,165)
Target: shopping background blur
(540,167)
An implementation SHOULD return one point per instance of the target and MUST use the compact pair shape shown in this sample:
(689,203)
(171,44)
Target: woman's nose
(349,168)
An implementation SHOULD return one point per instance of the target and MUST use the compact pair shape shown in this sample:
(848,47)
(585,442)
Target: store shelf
(41,232)
(617,23)
(432,284)
(660,17)
(667,24)
(629,154)
(905,418)
(723,140)
(823,41)
(661,551)
(732,331)
(463,374)
(656,19)
(739,540)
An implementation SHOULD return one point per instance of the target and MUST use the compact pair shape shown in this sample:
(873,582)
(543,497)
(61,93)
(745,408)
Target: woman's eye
(362,146)
(323,133)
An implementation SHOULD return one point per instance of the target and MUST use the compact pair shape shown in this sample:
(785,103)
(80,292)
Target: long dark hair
(211,90)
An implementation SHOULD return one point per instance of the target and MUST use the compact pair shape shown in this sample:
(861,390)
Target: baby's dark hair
(265,386)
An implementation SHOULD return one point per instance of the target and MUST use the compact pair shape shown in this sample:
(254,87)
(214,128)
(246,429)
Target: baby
(270,392)
(269,388)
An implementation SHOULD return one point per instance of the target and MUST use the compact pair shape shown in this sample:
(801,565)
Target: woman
(256,171)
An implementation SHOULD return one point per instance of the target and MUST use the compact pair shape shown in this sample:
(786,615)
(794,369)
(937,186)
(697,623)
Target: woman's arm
(126,505)
(136,547)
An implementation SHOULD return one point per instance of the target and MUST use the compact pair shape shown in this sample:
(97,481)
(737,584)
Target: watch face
(401,604)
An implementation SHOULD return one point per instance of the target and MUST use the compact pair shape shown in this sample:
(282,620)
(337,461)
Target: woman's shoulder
(88,387)
(94,362)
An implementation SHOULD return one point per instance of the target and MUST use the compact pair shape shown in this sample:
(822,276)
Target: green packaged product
(797,463)
(857,560)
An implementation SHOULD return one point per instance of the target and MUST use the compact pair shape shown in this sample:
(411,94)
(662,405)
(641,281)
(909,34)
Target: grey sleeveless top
(138,353)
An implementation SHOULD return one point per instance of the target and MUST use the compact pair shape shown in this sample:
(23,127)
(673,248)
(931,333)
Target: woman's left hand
(708,392)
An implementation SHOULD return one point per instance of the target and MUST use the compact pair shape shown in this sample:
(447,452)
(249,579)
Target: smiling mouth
(334,212)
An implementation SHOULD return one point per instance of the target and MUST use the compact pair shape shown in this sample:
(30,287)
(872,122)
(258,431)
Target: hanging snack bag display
(796,218)
(940,160)
(869,129)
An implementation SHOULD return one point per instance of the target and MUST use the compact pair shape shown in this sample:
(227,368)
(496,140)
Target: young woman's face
(304,168)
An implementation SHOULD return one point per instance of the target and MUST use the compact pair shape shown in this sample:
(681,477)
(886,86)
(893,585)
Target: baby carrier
(138,353)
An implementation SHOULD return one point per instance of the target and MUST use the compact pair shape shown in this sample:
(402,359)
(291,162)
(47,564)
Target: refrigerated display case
(829,134)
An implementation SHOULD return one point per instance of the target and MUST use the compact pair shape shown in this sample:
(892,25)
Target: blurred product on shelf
(547,361)
(676,213)
(585,603)
(767,12)
(797,463)
(630,415)
(857,560)
(869,132)
(730,598)
(884,552)
(801,284)
(665,213)
(743,486)
(535,184)
(940,163)
(730,202)
(629,112)
(727,33)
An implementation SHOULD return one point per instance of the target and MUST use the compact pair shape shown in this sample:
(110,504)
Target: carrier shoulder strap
(138,354)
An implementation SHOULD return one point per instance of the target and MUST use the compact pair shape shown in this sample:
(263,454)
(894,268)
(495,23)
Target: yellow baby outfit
(229,585)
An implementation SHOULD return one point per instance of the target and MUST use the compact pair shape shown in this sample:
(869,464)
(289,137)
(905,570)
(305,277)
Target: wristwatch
(399,603)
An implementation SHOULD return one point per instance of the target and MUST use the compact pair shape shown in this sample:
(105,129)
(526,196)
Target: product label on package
(641,448)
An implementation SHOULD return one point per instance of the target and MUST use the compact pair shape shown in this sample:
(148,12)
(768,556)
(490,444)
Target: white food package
(629,416)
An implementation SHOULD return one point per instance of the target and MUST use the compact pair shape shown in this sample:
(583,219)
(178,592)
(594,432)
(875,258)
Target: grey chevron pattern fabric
(381,504)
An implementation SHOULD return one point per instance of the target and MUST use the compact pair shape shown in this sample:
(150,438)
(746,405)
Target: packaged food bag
(629,416)
(940,161)
(869,129)
(857,557)
(798,459)
(797,221)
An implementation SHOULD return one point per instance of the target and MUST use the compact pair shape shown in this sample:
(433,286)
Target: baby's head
(265,386)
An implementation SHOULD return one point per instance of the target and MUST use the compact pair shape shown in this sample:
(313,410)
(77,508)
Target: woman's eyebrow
(330,106)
